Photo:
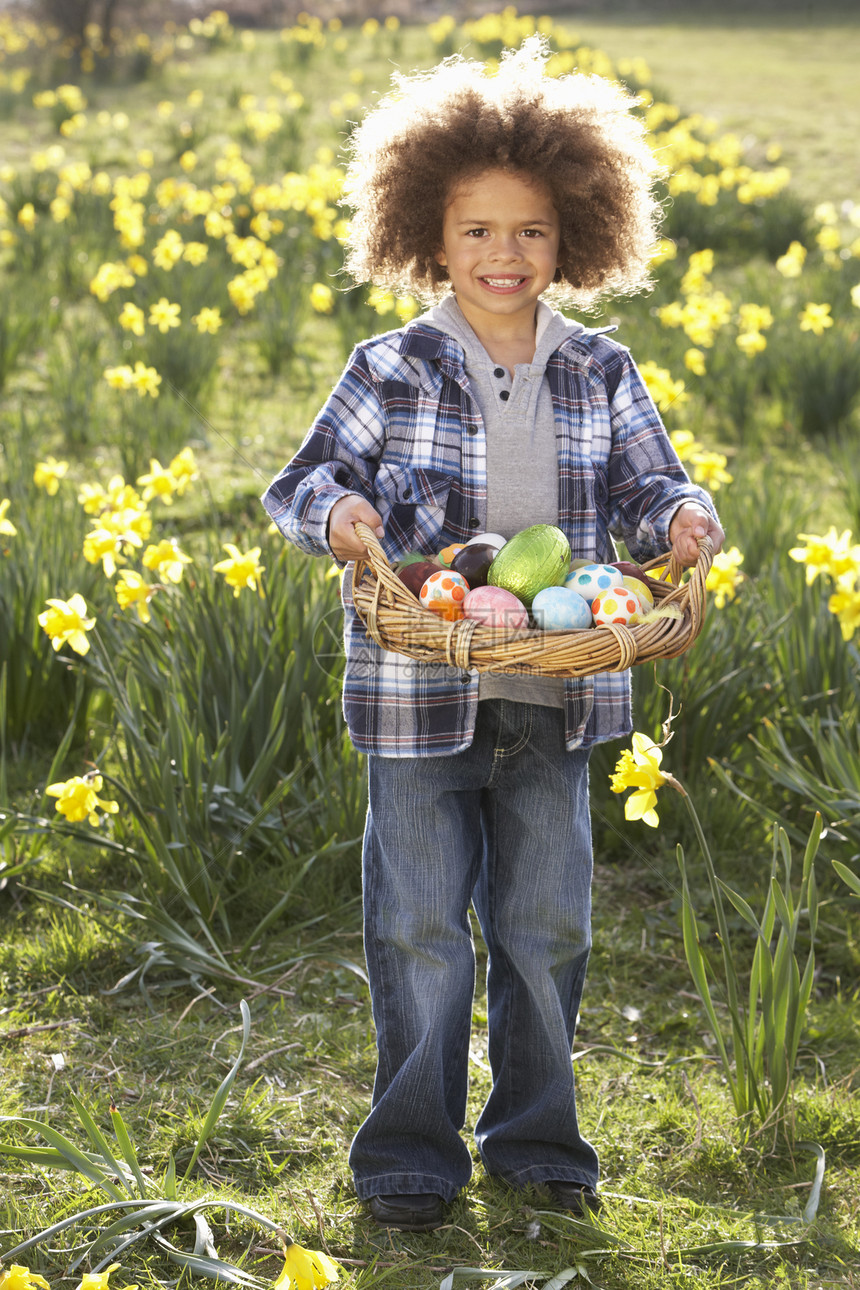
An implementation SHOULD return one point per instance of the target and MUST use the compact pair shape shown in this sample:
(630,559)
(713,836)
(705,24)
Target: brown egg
(415,575)
(473,562)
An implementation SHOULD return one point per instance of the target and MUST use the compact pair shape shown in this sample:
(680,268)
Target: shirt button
(464,678)
(471,429)
(498,371)
(505,394)
(474,524)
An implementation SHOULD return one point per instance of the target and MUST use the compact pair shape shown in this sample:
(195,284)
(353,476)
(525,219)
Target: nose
(505,247)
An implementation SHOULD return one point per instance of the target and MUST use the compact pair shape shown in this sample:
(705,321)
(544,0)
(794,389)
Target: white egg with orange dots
(443,593)
(617,604)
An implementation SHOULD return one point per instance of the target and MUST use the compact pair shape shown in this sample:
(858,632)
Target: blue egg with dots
(591,579)
(560,609)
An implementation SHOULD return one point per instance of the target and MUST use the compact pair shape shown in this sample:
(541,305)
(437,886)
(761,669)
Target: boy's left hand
(689,523)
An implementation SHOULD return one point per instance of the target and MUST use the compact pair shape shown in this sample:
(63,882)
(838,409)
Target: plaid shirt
(402,430)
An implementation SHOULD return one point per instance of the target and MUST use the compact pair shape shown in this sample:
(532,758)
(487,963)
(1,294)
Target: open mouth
(503,284)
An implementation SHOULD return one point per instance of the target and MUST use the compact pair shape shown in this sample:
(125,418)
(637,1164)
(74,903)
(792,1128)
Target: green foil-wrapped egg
(535,558)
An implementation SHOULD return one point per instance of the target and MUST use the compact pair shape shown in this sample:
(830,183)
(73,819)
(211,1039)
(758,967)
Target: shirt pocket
(412,504)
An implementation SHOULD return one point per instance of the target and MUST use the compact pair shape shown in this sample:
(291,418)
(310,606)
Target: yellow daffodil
(27,217)
(709,468)
(132,319)
(406,308)
(685,444)
(207,320)
(723,577)
(855,296)
(241,569)
(694,361)
(19,1277)
(102,544)
(119,378)
(132,524)
(663,389)
(78,800)
(640,769)
(145,379)
(305,1269)
(132,590)
(815,318)
(164,315)
(7,528)
(109,278)
(159,483)
(66,622)
(322,298)
(183,468)
(166,559)
(751,342)
(48,474)
(99,1280)
(195,252)
(92,498)
(832,553)
(846,606)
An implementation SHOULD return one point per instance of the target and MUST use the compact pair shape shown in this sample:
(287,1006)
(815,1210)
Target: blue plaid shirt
(402,429)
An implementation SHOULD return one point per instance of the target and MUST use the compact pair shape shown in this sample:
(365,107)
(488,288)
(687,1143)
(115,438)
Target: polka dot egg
(617,604)
(443,593)
(561,609)
(592,579)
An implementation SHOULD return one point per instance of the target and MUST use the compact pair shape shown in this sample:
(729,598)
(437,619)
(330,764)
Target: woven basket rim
(396,621)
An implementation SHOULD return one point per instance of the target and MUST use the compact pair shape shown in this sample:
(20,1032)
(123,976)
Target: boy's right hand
(342,537)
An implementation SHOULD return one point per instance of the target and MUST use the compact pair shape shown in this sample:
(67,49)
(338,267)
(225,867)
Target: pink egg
(617,604)
(495,607)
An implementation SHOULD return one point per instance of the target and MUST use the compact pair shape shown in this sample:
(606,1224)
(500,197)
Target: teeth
(503,282)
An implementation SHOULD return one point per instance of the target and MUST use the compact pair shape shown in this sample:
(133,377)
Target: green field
(229,871)
(789,82)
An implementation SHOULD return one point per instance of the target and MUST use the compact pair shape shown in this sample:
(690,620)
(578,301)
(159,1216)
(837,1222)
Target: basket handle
(376,559)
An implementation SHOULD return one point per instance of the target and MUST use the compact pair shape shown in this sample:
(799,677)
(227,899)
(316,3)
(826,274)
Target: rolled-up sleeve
(647,482)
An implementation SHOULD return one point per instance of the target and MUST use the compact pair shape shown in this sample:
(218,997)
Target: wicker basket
(397,621)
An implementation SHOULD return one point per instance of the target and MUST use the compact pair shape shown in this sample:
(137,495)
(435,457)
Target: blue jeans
(504,824)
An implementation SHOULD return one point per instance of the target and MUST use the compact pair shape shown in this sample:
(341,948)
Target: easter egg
(628,569)
(411,557)
(640,589)
(617,604)
(488,539)
(415,575)
(535,558)
(443,593)
(473,562)
(496,607)
(559,609)
(591,579)
(446,555)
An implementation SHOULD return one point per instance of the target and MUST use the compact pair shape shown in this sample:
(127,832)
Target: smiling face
(500,245)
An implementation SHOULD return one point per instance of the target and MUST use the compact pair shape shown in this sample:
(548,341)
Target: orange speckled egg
(443,593)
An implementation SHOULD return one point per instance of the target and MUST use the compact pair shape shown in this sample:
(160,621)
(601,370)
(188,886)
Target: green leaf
(127,1148)
(223,1091)
(847,875)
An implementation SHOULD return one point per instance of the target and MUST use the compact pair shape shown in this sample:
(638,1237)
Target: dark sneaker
(579,1198)
(408,1213)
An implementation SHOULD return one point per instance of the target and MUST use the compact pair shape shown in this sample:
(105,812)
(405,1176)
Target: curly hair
(574,134)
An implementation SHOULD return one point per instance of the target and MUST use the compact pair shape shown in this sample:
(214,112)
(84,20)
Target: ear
(441,258)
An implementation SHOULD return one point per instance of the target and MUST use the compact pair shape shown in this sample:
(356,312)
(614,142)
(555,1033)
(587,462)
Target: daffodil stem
(741,1056)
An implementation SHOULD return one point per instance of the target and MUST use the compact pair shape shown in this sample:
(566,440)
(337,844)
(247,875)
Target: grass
(675,1175)
(789,79)
(687,1195)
